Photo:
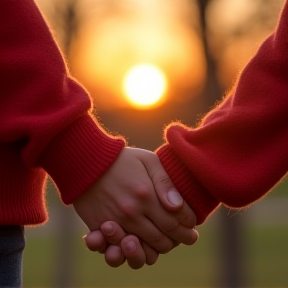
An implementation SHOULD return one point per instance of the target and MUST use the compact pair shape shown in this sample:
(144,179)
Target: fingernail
(107,229)
(130,246)
(174,197)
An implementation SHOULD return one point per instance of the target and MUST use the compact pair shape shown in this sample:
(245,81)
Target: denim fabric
(12,243)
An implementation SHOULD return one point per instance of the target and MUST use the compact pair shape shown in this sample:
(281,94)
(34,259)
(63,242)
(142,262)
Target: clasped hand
(134,212)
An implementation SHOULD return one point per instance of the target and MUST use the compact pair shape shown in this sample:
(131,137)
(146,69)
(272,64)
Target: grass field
(265,259)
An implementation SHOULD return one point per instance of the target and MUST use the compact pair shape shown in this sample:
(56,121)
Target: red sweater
(240,150)
(234,157)
(45,124)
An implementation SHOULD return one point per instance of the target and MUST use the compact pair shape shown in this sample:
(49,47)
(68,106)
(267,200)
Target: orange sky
(114,36)
(149,32)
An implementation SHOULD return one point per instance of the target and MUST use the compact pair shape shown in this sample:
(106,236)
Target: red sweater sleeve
(240,150)
(45,123)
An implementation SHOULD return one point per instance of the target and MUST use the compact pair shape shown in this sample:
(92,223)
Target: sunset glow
(144,85)
(149,33)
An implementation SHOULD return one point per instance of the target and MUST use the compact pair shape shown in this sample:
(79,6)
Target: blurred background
(146,63)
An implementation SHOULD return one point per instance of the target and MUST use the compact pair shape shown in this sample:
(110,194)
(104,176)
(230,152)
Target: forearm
(45,120)
(239,152)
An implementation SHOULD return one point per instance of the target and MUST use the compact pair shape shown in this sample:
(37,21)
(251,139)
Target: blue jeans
(12,243)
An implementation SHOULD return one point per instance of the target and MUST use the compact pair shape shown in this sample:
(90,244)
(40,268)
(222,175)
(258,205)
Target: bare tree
(230,244)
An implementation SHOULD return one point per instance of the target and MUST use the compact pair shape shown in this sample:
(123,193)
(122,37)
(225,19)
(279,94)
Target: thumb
(168,195)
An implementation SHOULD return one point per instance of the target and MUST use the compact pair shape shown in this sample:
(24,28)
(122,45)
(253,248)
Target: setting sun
(141,54)
(144,85)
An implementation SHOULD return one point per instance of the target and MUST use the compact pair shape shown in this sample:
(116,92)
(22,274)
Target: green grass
(265,261)
(183,267)
(268,257)
(281,189)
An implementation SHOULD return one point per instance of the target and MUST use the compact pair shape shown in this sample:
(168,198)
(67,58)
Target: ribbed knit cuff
(77,157)
(191,190)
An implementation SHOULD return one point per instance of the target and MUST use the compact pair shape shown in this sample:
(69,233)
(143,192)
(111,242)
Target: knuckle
(163,179)
(128,209)
(170,225)
(142,191)
(156,238)
(161,244)
(188,220)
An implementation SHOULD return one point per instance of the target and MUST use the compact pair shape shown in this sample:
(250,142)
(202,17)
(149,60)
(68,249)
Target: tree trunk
(230,245)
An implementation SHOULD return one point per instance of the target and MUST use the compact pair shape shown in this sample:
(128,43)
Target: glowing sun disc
(144,85)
